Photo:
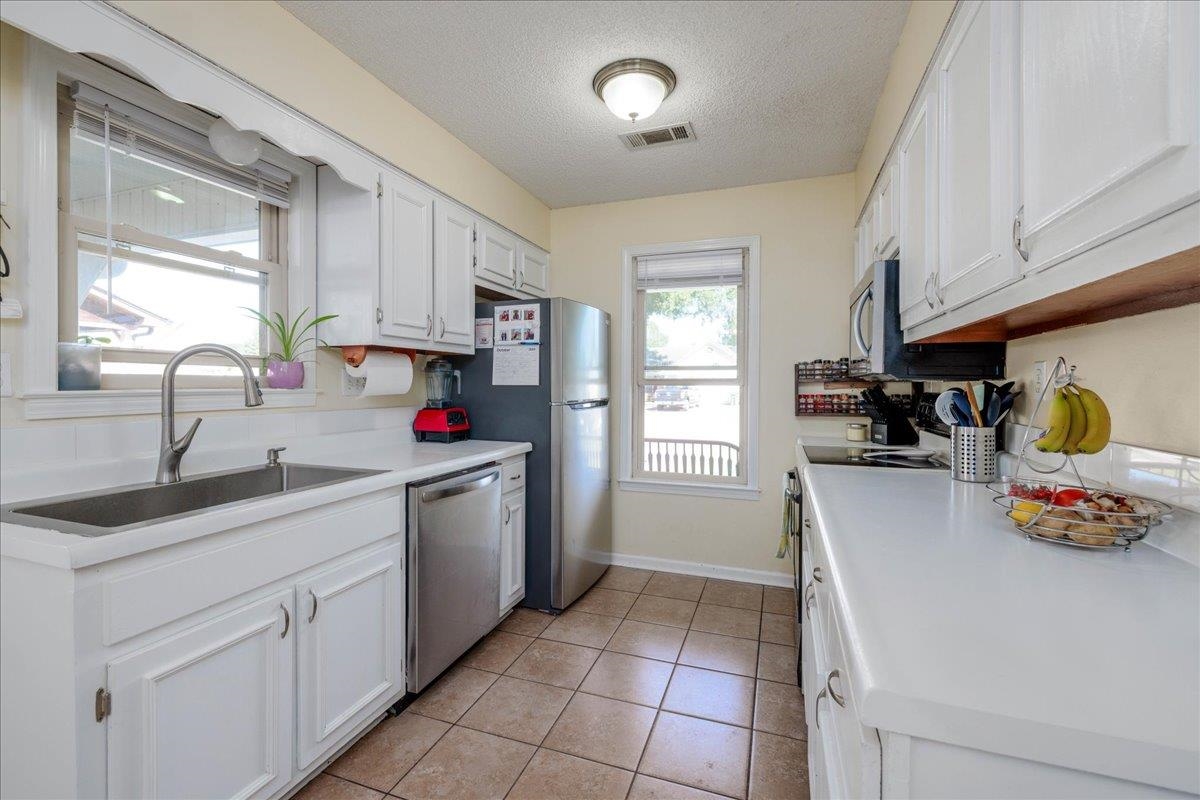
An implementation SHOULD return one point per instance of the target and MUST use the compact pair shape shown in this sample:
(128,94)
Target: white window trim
(626,479)
(45,67)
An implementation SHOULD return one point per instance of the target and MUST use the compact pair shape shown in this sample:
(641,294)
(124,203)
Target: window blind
(704,268)
(142,134)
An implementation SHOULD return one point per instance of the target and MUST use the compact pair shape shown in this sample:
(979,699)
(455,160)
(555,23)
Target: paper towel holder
(355,354)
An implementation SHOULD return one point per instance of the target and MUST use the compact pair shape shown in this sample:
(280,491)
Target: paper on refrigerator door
(484,333)
(516,365)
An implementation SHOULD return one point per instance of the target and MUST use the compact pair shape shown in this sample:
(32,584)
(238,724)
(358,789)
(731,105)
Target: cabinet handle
(522,274)
(808,523)
(837,698)
(441,327)
(507,514)
(928,299)
(810,597)
(1018,239)
(515,279)
(287,621)
(817,575)
(313,615)
(939,291)
(428,325)
(817,706)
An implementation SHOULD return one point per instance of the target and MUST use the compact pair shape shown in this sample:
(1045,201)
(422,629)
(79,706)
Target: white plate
(906,452)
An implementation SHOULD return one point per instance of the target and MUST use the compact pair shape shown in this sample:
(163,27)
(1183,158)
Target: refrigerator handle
(582,404)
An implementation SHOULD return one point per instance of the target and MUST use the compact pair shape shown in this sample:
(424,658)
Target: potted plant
(285,367)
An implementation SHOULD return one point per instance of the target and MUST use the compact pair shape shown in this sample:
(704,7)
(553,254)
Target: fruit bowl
(1098,519)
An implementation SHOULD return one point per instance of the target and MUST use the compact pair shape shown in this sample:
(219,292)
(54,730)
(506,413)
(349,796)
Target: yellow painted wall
(266,46)
(1147,369)
(806,273)
(926,21)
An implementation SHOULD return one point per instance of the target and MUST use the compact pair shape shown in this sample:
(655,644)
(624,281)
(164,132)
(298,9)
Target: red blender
(439,420)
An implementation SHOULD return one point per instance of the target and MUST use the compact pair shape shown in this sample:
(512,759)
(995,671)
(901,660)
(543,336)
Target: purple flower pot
(285,374)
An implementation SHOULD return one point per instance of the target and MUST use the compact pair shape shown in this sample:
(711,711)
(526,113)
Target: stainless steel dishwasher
(454,568)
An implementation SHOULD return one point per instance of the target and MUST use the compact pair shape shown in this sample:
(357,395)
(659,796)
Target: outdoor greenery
(715,303)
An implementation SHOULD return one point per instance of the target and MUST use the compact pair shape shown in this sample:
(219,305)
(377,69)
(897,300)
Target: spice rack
(829,376)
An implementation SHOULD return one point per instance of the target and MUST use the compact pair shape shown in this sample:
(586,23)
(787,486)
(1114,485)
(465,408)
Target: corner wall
(805,277)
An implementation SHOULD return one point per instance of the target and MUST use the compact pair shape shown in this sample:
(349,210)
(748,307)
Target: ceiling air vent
(654,137)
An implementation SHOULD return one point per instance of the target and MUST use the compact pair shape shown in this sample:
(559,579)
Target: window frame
(45,68)
(632,387)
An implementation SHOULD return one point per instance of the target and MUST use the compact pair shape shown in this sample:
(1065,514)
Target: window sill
(723,490)
(119,402)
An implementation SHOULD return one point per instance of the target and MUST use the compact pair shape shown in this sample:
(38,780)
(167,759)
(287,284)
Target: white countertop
(960,630)
(393,450)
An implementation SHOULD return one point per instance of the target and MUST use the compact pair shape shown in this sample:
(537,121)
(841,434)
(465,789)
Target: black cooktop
(856,457)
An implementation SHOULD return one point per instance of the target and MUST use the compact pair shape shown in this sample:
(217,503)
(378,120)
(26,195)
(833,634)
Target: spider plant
(294,341)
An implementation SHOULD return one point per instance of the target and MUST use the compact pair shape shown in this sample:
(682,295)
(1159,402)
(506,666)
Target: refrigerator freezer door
(582,510)
(579,370)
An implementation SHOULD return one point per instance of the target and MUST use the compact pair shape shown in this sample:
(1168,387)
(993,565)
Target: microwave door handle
(856,325)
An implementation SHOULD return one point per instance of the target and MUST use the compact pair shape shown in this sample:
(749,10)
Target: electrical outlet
(1039,376)
(5,375)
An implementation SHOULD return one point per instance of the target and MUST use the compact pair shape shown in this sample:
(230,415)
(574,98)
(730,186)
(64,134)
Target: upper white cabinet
(350,626)
(886,214)
(497,262)
(975,153)
(916,203)
(1107,120)
(405,259)
(533,270)
(866,242)
(208,712)
(454,274)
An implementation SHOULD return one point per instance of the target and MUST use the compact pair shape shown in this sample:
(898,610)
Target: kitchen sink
(123,508)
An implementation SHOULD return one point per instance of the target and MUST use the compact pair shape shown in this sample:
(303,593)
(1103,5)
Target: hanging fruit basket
(1073,514)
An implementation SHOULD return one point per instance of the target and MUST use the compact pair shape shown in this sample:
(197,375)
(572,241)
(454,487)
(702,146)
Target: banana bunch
(1079,423)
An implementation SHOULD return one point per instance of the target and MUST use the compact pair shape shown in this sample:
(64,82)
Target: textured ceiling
(776,90)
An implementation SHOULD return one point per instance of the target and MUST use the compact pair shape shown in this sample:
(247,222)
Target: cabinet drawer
(144,600)
(513,475)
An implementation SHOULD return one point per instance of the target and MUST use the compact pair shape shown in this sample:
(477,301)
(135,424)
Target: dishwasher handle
(431,495)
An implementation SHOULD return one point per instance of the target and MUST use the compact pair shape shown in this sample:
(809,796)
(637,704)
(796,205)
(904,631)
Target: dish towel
(785,530)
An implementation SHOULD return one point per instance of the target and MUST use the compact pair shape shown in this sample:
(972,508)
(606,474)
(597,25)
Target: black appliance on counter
(877,347)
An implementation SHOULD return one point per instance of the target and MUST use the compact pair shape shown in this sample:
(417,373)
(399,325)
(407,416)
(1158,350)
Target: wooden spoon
(974,405)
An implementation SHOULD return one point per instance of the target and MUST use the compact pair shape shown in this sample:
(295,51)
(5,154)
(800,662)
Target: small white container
(856,432)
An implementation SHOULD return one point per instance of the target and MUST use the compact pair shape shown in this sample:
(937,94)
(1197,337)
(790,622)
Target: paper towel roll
(385,373)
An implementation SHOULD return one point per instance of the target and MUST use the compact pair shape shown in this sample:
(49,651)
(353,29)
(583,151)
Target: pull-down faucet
(173,449)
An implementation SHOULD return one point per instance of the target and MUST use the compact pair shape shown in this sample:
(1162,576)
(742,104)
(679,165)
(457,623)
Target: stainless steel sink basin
(123,508)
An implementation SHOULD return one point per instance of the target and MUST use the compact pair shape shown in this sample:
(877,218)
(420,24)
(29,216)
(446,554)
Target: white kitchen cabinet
(207,712)
(512,533)
(1108,133)
(454,274)
(975,152)
(406,272)
(497,262)
(350,645)
(916,195)
(886,214)
(533,270)
(866,242)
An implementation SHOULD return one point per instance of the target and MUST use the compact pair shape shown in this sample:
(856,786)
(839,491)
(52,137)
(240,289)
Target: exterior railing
(692,457)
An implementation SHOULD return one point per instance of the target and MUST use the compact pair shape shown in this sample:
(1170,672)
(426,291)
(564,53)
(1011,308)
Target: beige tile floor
(652,686)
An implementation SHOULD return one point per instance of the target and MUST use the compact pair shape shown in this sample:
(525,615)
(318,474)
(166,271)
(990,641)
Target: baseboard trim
(763,576)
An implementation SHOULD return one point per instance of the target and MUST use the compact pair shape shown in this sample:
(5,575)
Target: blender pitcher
(438,374)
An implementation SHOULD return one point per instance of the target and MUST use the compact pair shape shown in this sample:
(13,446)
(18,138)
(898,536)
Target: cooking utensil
(944,407)
(962,408)
(992,412)
(989,391)
(975,415)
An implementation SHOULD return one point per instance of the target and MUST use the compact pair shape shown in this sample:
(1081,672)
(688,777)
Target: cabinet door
(512,550)
(453,274)
(916,158)
(886,213)
(405,259)
(208,712)
(497,256)
(1108,120)
(534,275)
(976,200)
(866,238)
(351,647)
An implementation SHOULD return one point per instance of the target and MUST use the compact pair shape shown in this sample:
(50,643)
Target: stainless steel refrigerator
(565,414)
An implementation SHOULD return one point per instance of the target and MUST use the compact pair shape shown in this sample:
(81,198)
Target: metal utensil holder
(972,454)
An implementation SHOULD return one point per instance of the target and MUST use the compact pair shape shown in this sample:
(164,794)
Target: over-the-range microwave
(877,348)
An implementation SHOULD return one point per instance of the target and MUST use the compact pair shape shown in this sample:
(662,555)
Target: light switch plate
(5,375)
(1039,376)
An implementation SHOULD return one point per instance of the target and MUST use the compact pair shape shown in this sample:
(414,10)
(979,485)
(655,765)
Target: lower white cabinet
(350,651)
(512,534)
(207,712)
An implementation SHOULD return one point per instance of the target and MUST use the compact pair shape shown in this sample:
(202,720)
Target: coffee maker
(440,420)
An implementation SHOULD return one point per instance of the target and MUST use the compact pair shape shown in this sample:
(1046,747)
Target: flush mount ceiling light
(634,88)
